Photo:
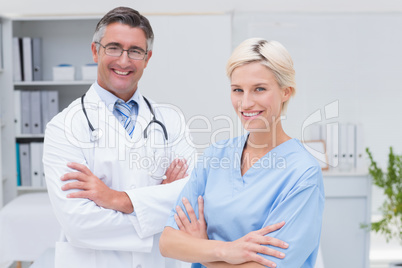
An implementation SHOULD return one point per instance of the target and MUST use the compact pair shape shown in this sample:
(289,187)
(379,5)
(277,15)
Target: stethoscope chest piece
(96,134)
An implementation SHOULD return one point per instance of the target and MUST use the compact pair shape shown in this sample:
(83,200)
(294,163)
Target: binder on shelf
(53,100)
(42,169)
(44,109)
(35,111)
(25,112)
(25,164)
(36,164)
(360,149)
(333,144)
(37,58)
(17,70)
(343,147)
(17,112)
(17,148)
(50,106)
(27,58)
(350,146)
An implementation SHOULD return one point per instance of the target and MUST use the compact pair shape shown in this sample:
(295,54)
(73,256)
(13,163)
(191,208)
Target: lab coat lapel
(113,131)
(143,118)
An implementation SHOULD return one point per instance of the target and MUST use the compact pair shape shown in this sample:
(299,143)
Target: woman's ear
(287,93)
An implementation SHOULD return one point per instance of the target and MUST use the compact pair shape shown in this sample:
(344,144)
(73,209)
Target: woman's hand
(245,249)
(194,227)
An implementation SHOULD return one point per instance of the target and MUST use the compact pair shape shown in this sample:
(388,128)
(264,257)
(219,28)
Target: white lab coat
(94,236)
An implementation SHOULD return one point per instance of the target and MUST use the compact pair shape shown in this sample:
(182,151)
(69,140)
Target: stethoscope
(96,133)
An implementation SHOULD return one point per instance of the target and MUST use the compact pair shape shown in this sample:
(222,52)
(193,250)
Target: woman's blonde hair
(271,54)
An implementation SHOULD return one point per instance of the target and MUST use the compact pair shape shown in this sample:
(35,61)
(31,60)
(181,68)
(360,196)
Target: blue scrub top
(284,185)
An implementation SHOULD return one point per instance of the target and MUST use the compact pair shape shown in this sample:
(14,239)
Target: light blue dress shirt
(284,185)
(109,99)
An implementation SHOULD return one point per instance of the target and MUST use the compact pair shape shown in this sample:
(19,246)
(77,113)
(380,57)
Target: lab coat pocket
(68,256)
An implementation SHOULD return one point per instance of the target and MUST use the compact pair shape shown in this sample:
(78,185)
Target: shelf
(337,173)
(30,136)
(56,17)
(54,83)
(30,188)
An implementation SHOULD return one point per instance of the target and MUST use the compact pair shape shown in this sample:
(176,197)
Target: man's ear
(149,55)
(94,52)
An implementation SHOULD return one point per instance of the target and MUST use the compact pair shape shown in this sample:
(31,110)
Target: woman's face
(256,97)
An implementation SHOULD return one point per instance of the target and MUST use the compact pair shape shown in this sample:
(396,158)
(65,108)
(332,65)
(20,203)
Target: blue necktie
(124,111)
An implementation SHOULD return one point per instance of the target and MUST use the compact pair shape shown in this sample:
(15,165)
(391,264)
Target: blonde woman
(255,191)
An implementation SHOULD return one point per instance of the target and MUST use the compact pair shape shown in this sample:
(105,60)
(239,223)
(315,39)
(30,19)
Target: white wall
(178,6)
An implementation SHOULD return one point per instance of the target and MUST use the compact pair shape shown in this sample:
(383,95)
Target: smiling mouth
(121,73)
(250,115)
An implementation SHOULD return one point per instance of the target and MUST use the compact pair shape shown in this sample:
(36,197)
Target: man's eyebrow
(119,45)
(137,48)
(113,44)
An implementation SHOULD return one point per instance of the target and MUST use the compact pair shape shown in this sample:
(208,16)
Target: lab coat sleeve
(83,222)
(301,210)
(152,204)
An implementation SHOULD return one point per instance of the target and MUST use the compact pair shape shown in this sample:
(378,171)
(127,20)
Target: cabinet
(347,205)
(65,40)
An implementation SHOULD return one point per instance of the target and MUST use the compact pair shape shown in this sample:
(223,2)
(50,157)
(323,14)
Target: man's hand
(94,189)
(176,171)
(194,227)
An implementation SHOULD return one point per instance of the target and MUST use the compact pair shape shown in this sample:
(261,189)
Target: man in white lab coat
(114,162)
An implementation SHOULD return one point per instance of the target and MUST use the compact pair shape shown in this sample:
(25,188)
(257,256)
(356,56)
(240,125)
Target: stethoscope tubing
(145,133)
(95,133)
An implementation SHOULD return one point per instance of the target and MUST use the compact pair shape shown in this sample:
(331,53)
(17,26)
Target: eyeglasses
(116,51)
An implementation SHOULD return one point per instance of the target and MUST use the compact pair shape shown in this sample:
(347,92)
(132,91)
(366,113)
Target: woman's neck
(265,141)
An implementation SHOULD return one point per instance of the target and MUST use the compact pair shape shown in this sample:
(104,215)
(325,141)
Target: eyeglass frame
(122,51)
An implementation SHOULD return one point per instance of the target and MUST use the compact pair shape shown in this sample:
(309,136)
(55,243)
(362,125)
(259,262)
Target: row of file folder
(29,164)
(33,109)
(344,144)
(27,59)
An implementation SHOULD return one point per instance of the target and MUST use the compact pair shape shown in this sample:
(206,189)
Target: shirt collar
(109,99)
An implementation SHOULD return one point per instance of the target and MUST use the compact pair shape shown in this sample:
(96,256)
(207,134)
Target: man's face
(120,75)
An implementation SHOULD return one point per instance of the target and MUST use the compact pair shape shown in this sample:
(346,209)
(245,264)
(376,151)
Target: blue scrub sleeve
(193,188)
(302,211)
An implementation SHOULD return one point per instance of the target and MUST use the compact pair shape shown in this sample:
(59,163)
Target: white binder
(17,73)
(333,144)
(351,146)
(36,121)
(49,105)
(42,169)
(17,112)
(36,163)
(27,58)
(25,112)
(44,109)
(53,100)
(360,149)
(25,164)
(343,147)
(37,58)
